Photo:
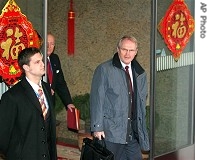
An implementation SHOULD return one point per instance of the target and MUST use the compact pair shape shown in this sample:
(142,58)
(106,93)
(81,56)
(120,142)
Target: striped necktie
(41,101)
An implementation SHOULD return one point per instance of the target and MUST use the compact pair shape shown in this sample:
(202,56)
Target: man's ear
(136,52)
(118,49)
(26,67)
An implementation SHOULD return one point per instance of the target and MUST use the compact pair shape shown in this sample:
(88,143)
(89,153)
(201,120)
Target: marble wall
(99,24)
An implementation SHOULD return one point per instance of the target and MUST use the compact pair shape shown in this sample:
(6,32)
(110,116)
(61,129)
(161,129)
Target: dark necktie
(130,113)
(129,78)
(49,71)
(130,86)
(41,101)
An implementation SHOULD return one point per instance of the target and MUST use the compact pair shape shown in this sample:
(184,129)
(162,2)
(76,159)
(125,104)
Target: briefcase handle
(95,148)
(101,142)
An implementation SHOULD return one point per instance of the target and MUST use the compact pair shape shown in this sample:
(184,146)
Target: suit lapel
(29,92)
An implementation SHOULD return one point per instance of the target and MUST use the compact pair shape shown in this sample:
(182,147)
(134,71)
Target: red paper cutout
(16,33)
(176,27)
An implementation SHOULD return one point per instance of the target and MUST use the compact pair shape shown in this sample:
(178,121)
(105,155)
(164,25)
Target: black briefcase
(95,150)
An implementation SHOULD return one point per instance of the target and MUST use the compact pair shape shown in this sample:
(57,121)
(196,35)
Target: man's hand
(52,92)
(99,134)
(70,106)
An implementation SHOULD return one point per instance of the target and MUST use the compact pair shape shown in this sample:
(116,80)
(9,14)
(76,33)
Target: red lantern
(71,17)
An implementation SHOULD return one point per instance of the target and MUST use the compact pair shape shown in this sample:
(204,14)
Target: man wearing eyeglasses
(118,101)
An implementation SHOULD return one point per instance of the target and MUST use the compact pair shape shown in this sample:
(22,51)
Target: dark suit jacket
(58,83)
(22,127)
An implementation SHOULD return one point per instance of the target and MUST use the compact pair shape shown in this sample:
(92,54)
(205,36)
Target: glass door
(172,91)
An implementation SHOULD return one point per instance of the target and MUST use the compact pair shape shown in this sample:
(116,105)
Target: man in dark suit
(26,132)
(56,77)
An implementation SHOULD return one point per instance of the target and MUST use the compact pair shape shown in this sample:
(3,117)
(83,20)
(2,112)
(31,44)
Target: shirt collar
(34,85)
(123,65)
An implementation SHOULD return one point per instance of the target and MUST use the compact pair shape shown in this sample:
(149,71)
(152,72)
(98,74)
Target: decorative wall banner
(176,27)
(71,18)
(16,33)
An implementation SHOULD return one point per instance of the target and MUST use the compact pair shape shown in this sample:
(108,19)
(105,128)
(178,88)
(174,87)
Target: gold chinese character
(179,29)
(7,45)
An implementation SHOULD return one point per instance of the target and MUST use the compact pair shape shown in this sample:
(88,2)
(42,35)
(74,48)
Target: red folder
(73,119)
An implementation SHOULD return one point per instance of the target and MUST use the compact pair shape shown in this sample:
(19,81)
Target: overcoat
(23,129)
(109,101)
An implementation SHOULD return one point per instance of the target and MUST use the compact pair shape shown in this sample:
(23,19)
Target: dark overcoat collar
(135,65)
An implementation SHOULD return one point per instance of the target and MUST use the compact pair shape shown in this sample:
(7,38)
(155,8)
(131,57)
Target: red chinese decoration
(16,33)
(71,17)
(176,27)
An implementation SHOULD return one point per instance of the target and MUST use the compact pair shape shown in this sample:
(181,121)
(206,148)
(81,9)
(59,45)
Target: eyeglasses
(50,44)
(128,50)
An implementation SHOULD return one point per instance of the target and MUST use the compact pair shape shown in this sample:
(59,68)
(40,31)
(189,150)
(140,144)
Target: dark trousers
(130,151)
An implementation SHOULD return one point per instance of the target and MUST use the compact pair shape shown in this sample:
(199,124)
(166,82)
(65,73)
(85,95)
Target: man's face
(127,51)
(50,44)
(36,67)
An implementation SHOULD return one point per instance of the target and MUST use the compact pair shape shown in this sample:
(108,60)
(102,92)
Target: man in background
(55,75)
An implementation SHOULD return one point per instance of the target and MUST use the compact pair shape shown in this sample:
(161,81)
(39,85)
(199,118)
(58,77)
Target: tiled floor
(68,152)
(65,136)
(63,133)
